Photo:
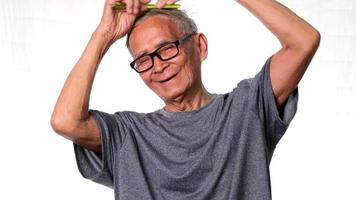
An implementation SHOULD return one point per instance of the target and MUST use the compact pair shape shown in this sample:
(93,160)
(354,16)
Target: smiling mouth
(168,79)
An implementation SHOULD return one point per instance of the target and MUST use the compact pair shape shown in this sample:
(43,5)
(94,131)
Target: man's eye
(168,51)
(143,60)
(167,48)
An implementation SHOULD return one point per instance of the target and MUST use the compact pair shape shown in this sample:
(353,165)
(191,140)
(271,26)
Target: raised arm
(299,41)
(70,117)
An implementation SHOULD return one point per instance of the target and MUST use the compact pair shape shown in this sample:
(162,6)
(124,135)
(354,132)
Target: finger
(129,6)
(136,6)
(108,10)
(111,3)
(143,7)
(171,1)
(145,1)
(161,3)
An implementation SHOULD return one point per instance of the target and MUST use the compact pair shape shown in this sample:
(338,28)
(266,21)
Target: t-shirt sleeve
(99,167)
(276,119)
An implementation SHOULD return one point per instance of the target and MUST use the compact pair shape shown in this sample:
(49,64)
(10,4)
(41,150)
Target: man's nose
(158,65)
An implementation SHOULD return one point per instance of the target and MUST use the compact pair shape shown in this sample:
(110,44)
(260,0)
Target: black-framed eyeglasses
(164,53)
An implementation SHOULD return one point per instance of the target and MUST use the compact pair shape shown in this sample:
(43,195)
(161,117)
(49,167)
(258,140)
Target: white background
(41,40)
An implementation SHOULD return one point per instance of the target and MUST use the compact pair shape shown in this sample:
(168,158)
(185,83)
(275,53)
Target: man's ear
(203,46)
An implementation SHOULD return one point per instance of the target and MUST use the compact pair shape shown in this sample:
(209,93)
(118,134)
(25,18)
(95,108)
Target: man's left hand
(162,3)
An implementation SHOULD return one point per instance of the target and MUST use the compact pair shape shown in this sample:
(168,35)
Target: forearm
(73,101)
(292,31)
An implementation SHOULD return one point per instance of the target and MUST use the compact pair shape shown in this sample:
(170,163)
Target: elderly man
(200,145)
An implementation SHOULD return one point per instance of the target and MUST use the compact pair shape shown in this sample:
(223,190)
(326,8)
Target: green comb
(122,6)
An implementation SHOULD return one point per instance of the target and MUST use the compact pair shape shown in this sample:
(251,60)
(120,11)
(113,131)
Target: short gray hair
(180,17)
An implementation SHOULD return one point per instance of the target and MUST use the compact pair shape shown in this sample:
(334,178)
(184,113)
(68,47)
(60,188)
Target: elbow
(307,40)
(77,132)
(62,126)
(56,124)
(312,42)
(307,43)
(317,39)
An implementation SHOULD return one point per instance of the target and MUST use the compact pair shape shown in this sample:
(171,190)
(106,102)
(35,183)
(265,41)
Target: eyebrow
(164,42)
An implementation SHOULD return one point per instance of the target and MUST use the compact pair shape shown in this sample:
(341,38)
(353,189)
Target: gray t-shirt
(221,151)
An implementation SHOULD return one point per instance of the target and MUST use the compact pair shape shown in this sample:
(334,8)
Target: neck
(188,102)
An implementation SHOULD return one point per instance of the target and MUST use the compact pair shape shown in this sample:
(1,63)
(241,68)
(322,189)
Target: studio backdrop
(41,40)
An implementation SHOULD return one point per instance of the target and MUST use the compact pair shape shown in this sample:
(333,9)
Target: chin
(171,95)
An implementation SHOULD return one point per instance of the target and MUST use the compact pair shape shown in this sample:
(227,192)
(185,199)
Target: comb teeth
(122,6)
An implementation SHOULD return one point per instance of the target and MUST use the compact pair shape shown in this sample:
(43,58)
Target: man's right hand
(70,117)
(115,24)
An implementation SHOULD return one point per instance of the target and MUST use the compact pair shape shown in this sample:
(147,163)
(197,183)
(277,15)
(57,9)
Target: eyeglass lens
(165,52)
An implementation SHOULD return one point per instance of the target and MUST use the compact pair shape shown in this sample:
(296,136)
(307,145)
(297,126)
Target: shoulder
(130,115)
(136,117)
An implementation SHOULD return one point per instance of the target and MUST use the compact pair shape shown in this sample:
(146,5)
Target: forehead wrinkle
(168,24)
